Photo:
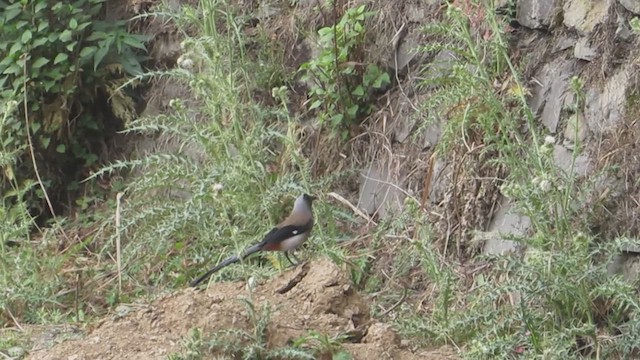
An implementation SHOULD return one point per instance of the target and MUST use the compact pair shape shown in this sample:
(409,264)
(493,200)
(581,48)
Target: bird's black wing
(277,235)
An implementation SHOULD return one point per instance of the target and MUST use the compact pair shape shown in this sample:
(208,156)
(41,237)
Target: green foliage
(340,82)
(60,60)
(323,346)
(58,64)
(192,347)
(635,24)
(30,278)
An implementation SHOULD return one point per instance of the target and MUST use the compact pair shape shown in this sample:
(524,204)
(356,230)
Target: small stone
(627,265)
(535,14)
(563,43)
(584,51)
(633,248)
(382,334)
(252,282)
(585,15)
(550,94)
(623,31)
(604,108)
(416,13)
(380,190)
(563,159)
(16,352)
(501,4)
(440,67)
(576,130)
(431,134)
(631,5)
(122,310)
(440,181)
(406,51)
(549,140)
(404,125)
(505,223)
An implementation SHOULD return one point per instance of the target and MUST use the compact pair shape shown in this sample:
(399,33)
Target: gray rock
(563,159)
(584,51)
(604,108)
(416,12)
(627,265)
(505,223)
(584,15)
(122,310)
(632,248)
(407,116)
(16,352)
(440,67)
(551,92)
(431,134)
(623,31)
(407,51)
(403,126)
(535,14)
(631,5)
(440,181)
(563,43)
(380,191)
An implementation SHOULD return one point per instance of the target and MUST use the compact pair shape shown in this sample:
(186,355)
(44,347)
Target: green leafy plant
(192,347)
(62,62)
(340,83)
(323,345)
(635,24)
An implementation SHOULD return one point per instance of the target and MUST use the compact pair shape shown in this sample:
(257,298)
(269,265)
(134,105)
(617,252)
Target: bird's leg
(286,254)
(293,264)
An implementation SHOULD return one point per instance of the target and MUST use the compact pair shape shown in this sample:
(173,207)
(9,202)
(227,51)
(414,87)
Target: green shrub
(341,83)
(62,63)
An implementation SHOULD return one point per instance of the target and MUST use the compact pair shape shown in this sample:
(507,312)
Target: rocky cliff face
(562,44)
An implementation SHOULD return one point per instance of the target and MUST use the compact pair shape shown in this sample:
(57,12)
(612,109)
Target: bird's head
(304,200)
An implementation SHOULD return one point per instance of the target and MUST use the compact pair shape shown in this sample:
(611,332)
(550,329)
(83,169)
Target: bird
(288,235)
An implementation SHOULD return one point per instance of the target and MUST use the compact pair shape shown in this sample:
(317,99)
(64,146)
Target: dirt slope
(314,296)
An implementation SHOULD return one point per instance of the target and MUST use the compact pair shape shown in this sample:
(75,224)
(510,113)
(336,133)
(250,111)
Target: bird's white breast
(293,242)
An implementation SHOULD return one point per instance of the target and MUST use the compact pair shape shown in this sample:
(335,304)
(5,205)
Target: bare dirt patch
(313,296)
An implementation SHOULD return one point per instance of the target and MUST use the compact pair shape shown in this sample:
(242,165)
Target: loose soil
(313,296)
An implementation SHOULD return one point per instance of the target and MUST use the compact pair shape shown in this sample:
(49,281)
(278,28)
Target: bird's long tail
(228,261)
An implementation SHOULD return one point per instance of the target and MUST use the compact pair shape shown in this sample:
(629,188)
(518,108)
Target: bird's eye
(295,232)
